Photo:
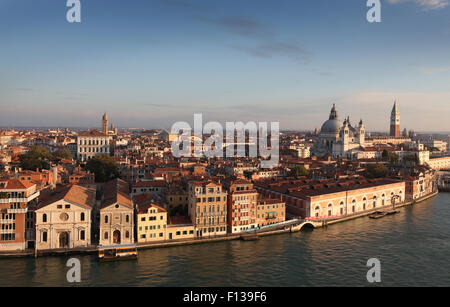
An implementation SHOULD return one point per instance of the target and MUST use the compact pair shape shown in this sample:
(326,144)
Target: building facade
(92,143)
(208,208)
(17,197)
(63,220)
(116,214)
(242,201)
(270,211)
(151,219)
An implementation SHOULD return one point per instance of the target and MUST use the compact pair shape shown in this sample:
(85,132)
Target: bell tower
(105,124)
(395,121)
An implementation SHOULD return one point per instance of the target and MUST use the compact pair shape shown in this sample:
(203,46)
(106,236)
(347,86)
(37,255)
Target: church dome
(331,126)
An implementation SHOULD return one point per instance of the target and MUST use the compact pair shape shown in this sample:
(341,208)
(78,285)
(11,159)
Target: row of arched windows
(127,219)
(82,217)
(353,205)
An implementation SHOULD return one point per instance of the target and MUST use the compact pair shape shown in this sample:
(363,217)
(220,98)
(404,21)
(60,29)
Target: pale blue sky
(149,63)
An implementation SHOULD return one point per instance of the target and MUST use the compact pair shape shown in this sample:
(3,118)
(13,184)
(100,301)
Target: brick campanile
(395,121)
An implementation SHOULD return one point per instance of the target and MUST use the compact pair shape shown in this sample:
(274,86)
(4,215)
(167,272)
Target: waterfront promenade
(281,228)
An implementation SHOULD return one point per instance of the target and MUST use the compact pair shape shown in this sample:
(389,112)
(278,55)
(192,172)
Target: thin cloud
(272,49)
(433,70)
(263,42)
(243,26)
(426,5)
(184,5)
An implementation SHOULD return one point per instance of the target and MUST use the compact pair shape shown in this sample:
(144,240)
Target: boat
(377,215)
(391,212)
(380,214)
(117,252)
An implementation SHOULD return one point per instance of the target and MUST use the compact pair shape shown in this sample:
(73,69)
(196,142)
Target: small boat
(380,214)
(391,212)
(377,215)
(117,252)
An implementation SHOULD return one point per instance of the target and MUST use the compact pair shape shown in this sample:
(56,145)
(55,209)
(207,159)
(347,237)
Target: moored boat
(377,215)
(117,252)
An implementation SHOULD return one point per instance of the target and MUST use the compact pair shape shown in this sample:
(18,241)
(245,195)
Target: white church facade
(340,140)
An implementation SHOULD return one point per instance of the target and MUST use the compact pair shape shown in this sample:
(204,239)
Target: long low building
(326,199)
(442,163)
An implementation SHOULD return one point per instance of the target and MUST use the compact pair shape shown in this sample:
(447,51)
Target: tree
(385,155)
(299,171)
(411,159)
(377,170)
(390,157)
(104,167)
(62,153)
(37,157)
(178,210)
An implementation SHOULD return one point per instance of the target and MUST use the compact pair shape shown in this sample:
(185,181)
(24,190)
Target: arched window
(127,219)
(82,216)
(106,219)
(44,218)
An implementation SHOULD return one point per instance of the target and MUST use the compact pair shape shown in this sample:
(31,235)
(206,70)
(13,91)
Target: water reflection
(412,246)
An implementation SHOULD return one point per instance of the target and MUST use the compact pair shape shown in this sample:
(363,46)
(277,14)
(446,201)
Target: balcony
(7,231)
(19,200)
(24,210)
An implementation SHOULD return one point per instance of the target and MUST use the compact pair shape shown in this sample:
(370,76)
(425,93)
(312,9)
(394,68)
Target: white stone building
(63,220)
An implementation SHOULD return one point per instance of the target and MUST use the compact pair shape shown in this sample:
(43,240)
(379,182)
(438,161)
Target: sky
(150,63)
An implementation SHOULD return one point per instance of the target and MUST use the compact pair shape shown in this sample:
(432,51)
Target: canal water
(413,247)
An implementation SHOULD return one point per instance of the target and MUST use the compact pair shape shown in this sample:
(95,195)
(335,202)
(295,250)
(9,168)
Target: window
(82,216)
(44,236)
(127,219)
(106,219)
(127,234)
(106,236)
(44,218)
(67,206)
(82,235)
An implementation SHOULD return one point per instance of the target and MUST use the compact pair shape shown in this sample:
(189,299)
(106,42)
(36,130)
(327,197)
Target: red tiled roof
(146,201)
(92,133)
(73,193)
(116,191)
(16,184)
